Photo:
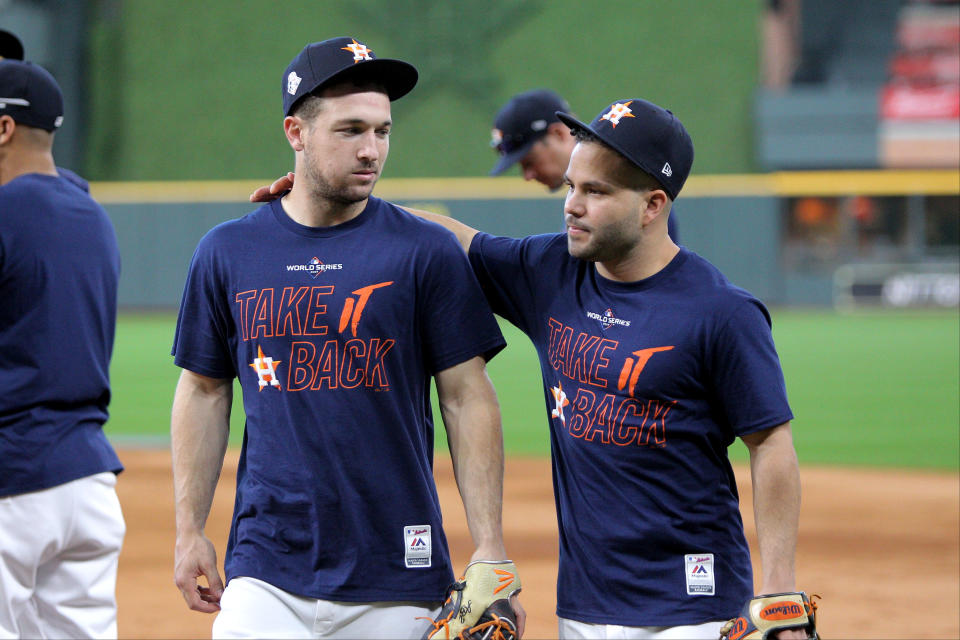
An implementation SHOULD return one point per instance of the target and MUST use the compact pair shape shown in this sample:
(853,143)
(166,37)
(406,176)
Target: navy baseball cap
(30,95)
(521,122)
(10,46)
(649,136)
(320,63)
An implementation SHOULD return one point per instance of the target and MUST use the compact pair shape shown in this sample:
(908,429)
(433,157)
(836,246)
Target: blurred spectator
(780,28)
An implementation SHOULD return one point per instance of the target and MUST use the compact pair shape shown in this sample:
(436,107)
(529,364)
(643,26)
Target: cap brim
(397,76)
(575,125)
(572,123)
(507,160)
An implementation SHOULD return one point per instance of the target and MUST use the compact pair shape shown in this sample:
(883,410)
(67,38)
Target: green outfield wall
(738,234)
(184,90)
(735,221)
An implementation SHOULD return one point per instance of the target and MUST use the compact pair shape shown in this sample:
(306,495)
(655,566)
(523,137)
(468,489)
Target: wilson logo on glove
(782,611)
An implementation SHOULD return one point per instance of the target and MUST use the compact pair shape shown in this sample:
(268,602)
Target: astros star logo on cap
(359,51)
(618,111)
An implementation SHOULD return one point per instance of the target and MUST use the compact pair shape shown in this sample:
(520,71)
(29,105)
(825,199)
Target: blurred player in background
(61,525)
(652,364)
(527,131)
(334,309)
(12,49)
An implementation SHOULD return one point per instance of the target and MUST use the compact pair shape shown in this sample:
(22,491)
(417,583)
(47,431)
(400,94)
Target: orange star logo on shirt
(561,399)
(618,111)
(266,368)
(359,51)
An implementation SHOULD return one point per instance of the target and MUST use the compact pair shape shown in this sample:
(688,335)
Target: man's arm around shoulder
(463,232)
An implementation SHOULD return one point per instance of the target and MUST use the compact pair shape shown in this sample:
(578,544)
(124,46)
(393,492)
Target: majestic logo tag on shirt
(418,546)
(699,569)
(314,267)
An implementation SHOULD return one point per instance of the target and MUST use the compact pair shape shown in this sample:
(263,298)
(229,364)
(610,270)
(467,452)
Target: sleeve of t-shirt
(745,370)
(508,269)
(201,343)
(455,320)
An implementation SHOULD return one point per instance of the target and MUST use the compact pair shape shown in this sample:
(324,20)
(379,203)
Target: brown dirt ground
(881,547)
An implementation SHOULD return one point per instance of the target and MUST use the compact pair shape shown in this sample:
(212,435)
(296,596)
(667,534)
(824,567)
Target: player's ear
(559,131)
(7,127)
(293,128)
(656,204)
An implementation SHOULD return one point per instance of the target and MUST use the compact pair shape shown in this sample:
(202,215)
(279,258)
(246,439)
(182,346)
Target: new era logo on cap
(647,135)
(322,64)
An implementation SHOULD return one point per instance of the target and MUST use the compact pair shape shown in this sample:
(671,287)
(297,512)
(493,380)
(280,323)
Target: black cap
(30,95)
(521,122)
(10,46)
(343,59)
(649,136)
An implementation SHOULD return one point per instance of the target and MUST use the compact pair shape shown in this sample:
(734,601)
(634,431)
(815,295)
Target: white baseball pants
(58,560)
(251,608)
(575,630)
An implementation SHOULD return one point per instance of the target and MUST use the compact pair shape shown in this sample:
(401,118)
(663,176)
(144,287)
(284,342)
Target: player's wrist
(490,552)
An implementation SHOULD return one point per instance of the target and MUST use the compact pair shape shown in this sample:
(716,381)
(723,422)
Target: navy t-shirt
(59,268)
(334,333)
(646,385)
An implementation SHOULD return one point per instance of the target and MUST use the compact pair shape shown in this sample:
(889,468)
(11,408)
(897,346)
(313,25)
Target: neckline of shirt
(322,232)
(647,283)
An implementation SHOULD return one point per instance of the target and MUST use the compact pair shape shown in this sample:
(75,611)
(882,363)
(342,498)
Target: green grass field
(880,389)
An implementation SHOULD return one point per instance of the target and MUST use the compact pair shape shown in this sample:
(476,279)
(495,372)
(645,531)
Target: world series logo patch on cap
(293,81)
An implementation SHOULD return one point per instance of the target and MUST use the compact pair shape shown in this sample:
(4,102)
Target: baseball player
(652,363)
(527,131)
(334,309)
(61,525)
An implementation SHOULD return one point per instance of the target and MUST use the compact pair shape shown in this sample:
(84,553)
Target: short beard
(325,190)
(610,245)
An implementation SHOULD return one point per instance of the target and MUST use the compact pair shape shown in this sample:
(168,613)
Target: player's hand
(521,614)
(266,194)
(195,556)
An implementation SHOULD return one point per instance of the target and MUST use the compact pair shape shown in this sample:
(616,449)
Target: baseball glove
(763,616)
(478,604)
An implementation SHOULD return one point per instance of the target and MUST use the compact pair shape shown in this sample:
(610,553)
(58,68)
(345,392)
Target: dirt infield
(881,547)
